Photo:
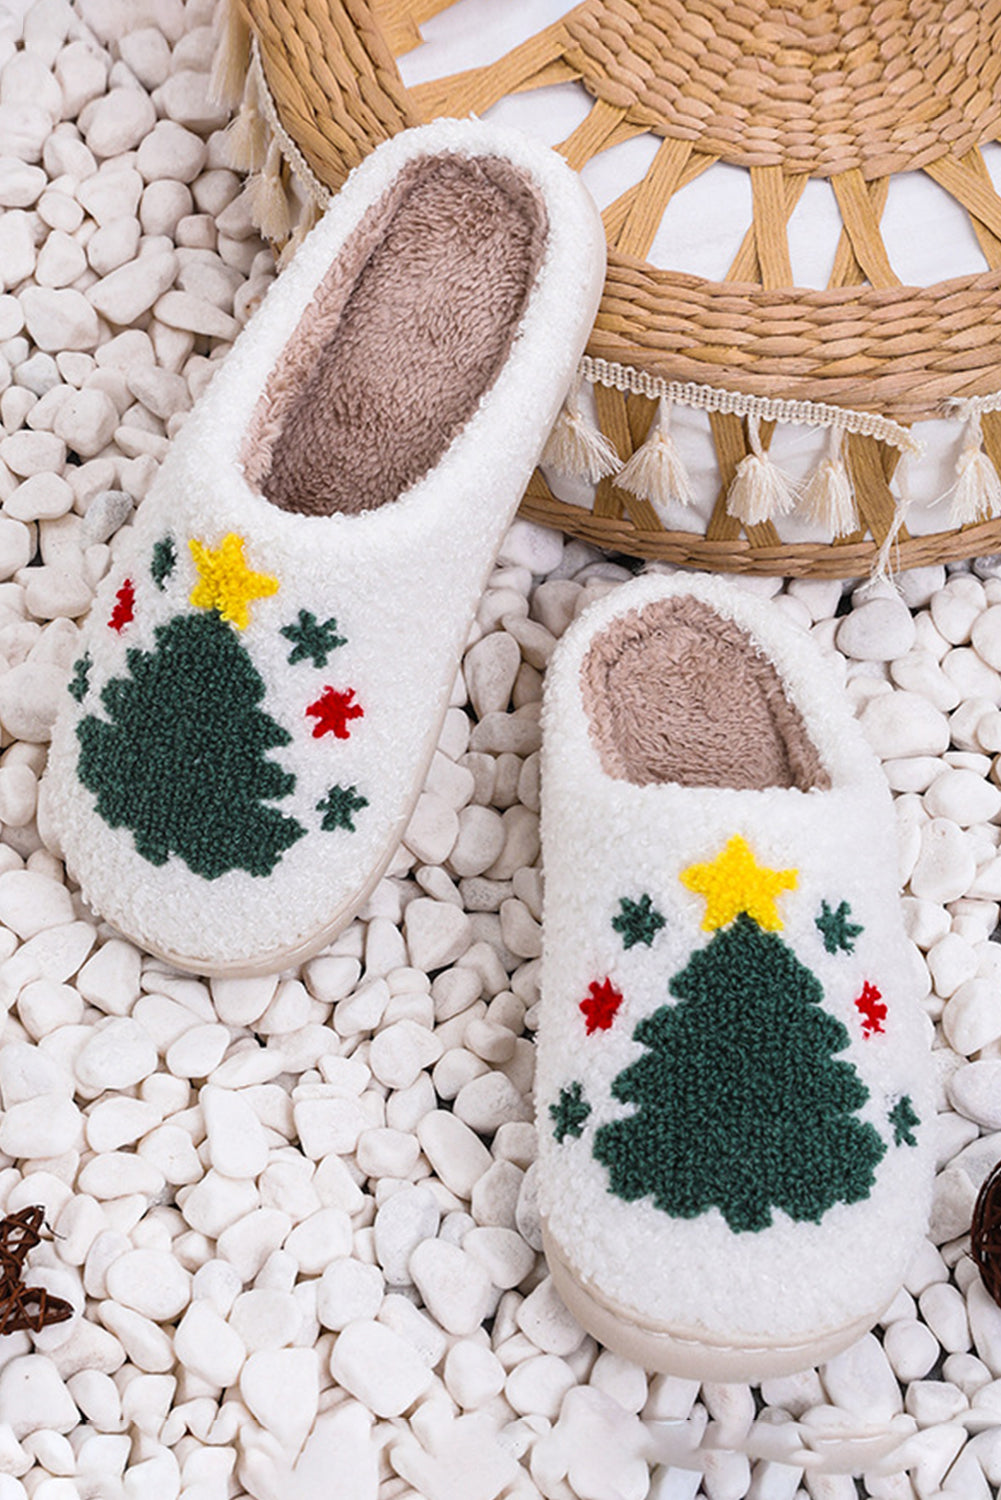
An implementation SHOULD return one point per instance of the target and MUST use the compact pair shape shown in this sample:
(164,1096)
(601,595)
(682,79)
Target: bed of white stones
(295,1215)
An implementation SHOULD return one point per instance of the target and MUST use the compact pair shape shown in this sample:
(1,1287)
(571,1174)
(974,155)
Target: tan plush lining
(408,329)
(676,693)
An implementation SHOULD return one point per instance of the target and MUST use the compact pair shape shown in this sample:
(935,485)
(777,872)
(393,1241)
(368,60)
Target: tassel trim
(760,490)
(232,56)
(576,448)
(656,471)
(977,493)
(268,200)
(829,499)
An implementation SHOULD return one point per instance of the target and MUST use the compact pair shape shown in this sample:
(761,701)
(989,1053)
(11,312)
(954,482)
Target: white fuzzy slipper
(266,668)
(734,1084)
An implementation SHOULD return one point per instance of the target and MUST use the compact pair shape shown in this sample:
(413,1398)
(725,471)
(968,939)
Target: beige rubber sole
(685,1352)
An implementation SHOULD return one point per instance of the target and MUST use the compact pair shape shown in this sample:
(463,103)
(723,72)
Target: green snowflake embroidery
(164,561)
(838,932)
(638,921)
(569,1113)
(339,806)
(81,673)
(311,639)
(903,1119)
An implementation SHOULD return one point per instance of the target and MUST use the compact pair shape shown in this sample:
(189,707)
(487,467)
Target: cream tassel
(232,57)
(576,448)
(759,490)
(268,199)
(656,471)
(309,218)
(829,499)
(247,135)
(977,494)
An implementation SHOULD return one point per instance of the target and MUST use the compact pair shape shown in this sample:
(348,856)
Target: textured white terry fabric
(605,839)
(402,582)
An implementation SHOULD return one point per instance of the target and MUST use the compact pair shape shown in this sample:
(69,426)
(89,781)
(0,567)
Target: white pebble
(975,1090)
(946,864)
(457,1154)
(490,668)
(170,151)
(410,1216)
(944,1311)
(985,1325)
(437,932)
(198,1051)
(30,903)
(46,1125)
(456,1290)
(59,318)
(878,630)
(473,1374)
(86,422)
(348,1290)
(281,1389)
(20,184)
(379,1368)
(964,797)
(972,1018)
(400,1052)
(318,1240)
(119,121)
(502,1253)
(911,1348)
(543,1318)
(113,244)
(119,1054)
(151,1282)
(902,723)
(32,1396)
(236,1140)
(538,1385)
(17,245)
(951,962)
(124,294)
(955,607)
(986,636)
(861,1381)
(206,1345)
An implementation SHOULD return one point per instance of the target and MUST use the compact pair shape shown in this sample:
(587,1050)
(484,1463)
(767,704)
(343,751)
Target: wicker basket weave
(853,93)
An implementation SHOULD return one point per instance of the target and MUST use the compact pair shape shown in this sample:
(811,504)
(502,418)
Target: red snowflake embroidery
(124,610)
(332,710)
(600,1009)
(869,1006)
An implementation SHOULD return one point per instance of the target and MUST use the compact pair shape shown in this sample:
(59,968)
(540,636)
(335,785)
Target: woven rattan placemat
(853,94)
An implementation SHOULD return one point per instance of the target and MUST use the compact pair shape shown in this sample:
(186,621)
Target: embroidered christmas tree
(182,757)
(740,1100)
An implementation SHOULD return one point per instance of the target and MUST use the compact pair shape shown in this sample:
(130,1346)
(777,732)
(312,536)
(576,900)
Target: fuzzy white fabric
(402,582)
(604,839)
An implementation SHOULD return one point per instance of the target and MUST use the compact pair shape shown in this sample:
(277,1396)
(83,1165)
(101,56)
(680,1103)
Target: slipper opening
(406,332)
(677,693)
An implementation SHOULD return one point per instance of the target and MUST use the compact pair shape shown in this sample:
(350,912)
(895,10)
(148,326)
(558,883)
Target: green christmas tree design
(740,1100)
(181,759)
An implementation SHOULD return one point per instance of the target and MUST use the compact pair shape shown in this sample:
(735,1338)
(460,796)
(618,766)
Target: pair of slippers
(733,1083)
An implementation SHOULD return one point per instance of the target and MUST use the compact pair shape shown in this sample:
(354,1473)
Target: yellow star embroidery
(734,882)
(225,582)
